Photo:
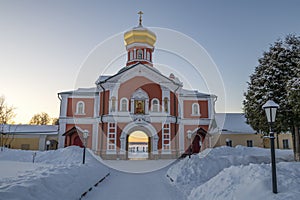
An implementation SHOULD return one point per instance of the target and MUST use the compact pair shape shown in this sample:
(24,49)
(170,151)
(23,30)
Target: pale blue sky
(44,43)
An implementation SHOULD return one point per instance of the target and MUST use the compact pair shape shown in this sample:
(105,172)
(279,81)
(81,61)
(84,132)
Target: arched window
(195,109)
(139,54)
(124,105)
(113,104)
(80,108)
(155,105)
(131,55)
(166,104)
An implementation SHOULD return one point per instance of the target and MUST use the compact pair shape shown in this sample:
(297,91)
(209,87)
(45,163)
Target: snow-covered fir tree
(276,78)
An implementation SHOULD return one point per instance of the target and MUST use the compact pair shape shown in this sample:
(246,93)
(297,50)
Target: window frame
(111,137)
(195,107)
(121,104)
(155,107)
(78,110)
(166,137)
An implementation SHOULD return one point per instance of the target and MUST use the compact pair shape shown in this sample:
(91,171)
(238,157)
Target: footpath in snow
(236,173)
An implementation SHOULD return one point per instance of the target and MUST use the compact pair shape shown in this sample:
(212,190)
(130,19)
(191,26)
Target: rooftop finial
(140,13)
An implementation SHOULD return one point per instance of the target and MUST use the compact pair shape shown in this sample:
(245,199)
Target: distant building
(29,137)
(235,131)
(136,98)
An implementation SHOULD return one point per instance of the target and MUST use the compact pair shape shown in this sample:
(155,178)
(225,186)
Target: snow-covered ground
(236,173)
(54,174)
(220,173)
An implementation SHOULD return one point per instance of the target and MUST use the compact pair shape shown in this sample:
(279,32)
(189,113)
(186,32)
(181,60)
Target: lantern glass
(85,134)
(270,108)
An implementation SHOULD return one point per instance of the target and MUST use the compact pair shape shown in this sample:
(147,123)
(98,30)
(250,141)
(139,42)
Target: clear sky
(44,43)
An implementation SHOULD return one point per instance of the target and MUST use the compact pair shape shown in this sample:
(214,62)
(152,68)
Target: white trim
(82,97)
(96,105)
(63,105)
(111,105)
(77,108)
(152,105)
(195,110)
(95,136)
(166,131)
(61,138)
(139,44)
(121,102)
(146,128)
(108,139)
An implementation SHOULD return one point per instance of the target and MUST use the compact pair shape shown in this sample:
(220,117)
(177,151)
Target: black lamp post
(48,144)
(270,108)
(85,136)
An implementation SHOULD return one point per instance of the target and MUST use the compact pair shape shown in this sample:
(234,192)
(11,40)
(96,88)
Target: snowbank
(55,174)
(188,174)
(251,182)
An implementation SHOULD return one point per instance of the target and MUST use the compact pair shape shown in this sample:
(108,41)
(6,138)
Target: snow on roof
(29,129)
(81,91)
(103,78)
(234,123)
(195,93)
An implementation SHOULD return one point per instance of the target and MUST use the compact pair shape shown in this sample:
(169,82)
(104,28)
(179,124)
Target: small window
(155,105)
(166,104)
(80,108)
(148,55)
(140,54)
(113,104)
(195,109)
(124,105)
(285,144)
(228,142)
(249,143)
(131,55)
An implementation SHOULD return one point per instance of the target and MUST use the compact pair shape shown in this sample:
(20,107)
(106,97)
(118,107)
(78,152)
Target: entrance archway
(138,145)
(142,126)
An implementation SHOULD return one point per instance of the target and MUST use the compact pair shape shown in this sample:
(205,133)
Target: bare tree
(6,112)
(40,119)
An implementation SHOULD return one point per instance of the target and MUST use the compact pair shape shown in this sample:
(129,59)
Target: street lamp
(189,132)
(270,108)
(48,144)
(85,136)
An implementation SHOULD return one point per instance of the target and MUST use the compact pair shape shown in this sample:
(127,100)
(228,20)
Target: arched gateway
(145,127)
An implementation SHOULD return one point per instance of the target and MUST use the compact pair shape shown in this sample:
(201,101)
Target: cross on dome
(140,20)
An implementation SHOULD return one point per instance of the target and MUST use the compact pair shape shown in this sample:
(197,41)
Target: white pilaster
(63,105)
(95,136)
(61,138)
(96,105)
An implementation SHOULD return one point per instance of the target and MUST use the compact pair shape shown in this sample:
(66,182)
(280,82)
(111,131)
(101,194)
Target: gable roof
(125,69)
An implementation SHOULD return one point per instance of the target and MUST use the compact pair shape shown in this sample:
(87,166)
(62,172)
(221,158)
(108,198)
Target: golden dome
(139,34)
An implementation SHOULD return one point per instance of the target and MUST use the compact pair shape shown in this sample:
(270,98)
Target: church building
(138,99)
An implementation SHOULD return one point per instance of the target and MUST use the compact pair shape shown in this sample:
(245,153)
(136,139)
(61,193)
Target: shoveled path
(136,186)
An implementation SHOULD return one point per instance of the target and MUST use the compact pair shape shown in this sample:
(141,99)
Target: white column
(95,136)
(96,105)
(42,142)
(61,138)
(63,105)
(181,138)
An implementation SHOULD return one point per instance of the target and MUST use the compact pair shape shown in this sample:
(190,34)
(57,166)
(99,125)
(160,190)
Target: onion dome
(139,35)
(139,42)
